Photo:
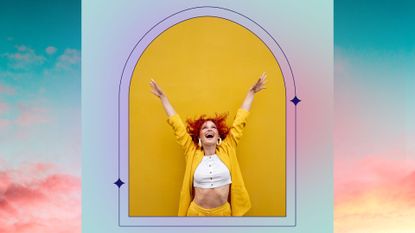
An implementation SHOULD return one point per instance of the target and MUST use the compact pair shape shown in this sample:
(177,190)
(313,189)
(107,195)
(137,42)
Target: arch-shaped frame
(291,112)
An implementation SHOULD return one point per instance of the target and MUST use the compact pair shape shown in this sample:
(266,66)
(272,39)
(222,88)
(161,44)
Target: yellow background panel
(205,65)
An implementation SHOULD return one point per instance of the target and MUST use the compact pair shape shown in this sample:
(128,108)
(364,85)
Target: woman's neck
(209,150)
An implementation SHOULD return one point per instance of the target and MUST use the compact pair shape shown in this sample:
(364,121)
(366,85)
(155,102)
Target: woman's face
(209,134)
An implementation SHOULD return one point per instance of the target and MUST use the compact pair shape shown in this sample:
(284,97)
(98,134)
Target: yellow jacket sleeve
(182,137)
(236,131)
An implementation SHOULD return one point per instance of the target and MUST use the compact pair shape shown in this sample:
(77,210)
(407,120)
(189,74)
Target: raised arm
(239,123)
(156,90)
(182,137)
(258,86)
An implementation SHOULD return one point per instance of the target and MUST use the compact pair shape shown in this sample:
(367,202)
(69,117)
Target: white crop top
(211,173)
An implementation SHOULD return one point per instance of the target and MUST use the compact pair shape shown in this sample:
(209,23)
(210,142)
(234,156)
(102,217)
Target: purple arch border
(290,220)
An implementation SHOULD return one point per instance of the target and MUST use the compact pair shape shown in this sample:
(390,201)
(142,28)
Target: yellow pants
(196,210)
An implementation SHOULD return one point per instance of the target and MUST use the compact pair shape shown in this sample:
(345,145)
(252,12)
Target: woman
(212,184)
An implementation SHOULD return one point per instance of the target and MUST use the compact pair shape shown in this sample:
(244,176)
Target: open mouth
(209,135)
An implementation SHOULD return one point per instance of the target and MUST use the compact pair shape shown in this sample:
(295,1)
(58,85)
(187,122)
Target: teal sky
(40,83)
(37,25)
(375,78)
(40,23)
(380,25)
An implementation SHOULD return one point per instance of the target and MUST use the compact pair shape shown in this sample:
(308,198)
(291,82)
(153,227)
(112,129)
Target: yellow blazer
(226,151)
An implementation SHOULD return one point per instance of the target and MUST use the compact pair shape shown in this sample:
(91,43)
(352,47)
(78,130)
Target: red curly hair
(195,125)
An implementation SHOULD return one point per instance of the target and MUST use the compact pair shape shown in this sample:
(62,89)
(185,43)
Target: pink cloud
(4,123)
(3,107)
(22,120)
(31,115)
(374,194)
(7,90)
(69,59)
(50,50)
(24,58)
(35,199)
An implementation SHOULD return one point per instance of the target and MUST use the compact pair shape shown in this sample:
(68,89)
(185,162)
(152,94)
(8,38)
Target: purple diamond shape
(119,183)
(295,100)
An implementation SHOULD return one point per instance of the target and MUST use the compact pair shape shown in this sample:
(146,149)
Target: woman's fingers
(154,84)
(155,93)
(260,83)
(155,89)
(263,76)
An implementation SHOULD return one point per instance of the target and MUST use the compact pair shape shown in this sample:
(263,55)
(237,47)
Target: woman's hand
(260,84)
(155,89)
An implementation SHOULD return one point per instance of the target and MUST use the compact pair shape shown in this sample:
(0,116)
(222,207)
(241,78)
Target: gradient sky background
(40,83)
(40,129)
(374,137)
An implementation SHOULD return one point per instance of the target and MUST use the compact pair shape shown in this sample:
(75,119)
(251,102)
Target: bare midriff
(211,197)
